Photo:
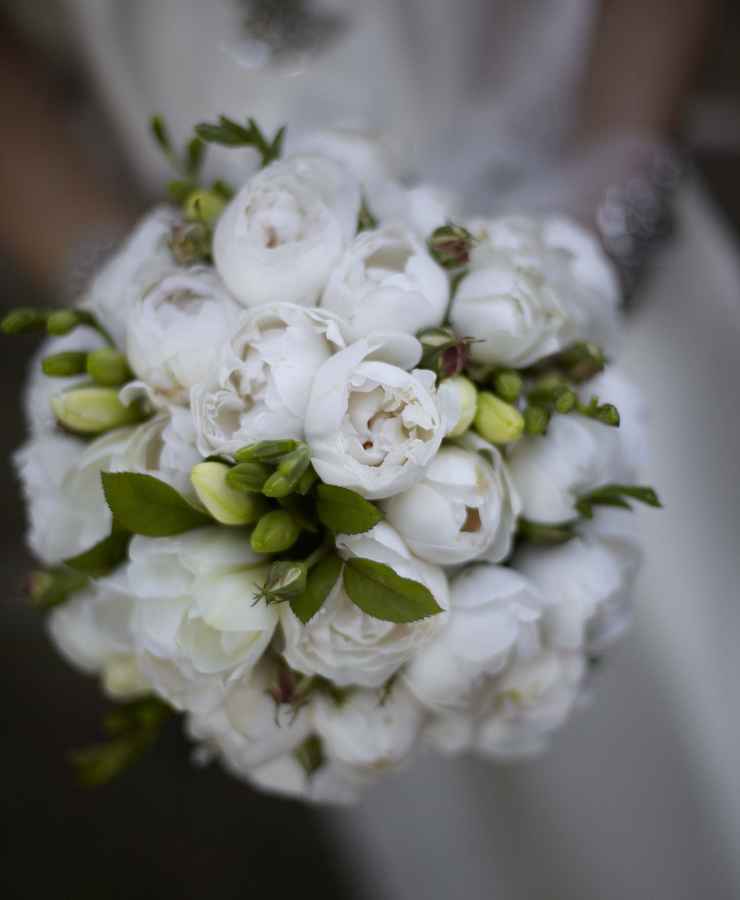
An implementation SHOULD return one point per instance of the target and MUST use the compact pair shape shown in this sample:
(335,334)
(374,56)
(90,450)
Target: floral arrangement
(332,471)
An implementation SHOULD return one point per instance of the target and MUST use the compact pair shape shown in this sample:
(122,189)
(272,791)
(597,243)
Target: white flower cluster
(297,328)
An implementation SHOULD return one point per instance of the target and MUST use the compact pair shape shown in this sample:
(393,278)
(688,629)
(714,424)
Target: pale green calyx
(93,410)
(497,421)
(227,505)
(467,397)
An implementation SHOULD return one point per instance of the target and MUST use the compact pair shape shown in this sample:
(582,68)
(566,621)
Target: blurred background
(640,796)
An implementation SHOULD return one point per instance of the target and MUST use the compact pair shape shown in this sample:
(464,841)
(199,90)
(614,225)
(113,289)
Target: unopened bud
(444,352)
(64,365)
(450,246)
(23,320)
(122,679)
(290,470)
(265,451)
(248,476)
(275,532)
(190,243)
(108,367)
(49,588)
(227,505)
(63,321)
(497,421)
(565,400)
(608,414)
(308,480)
(285,580)
(508,385)
(204,206)
(467,401)
(581,361)
(93,410)
(536,419)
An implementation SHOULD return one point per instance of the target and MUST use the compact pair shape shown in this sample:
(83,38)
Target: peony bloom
(373,427)
(344,644)
(196,602)
(260,381)
(387,280)
(464,508)
(140,263)
(281,235)
(534,287)
(176,329)
(494,612)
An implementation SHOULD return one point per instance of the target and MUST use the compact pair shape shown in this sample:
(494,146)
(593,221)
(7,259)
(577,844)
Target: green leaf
(161,134)
(545,533)
(195,154)
(266,451)
(381,593)
(321,579)
(48,588)
(104,556)
(229,133)
(616,495)
(145,505)
(366,221)
(345,512)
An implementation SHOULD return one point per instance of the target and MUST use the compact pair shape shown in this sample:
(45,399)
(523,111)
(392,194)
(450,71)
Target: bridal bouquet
(332,471)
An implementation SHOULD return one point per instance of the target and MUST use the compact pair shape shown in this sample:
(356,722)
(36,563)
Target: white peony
(587,585)
(280,236)
(368,733)
(387,280)
(373,427)
(260,381)
(349,647)
(92,630)
(494,612)
(176,328)
(139,264)
(195,602)
(534,287)
(527,704)
(464,508)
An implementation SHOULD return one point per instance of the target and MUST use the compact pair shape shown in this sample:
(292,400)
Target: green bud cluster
(55,323)
(107,366)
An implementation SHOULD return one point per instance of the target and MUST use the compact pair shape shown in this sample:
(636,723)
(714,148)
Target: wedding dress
(640,796)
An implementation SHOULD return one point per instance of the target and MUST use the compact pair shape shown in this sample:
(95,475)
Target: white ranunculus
(249,728)
(464,508)
(195,602)
(587,585)
(176,328)
(373,427)
(368,732)
(41,388)
(493,612)
(65,504)
(349,647)
(387,280)
(131,271)
(576,456)
(280,236)
(528,703)
(535,286)
(260,381)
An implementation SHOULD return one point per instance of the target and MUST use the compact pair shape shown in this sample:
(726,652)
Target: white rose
(532,289)
(373,427)
(367,155)
(387,280)
(248,728)
(349,647)
(587,585)
(140,263)
(421,208)
(287,776)
(92,630)
(576,456)
(464,508)
(493,612)
(176,328)
(65,504)
(528,703)
(280,236)
(261,379)
(41,388)
(195,602)
(368,732)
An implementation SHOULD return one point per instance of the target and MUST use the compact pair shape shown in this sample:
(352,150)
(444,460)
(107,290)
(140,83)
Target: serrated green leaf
(102,558)
(383,594)
(344,511)
(145,505)
(321,579)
